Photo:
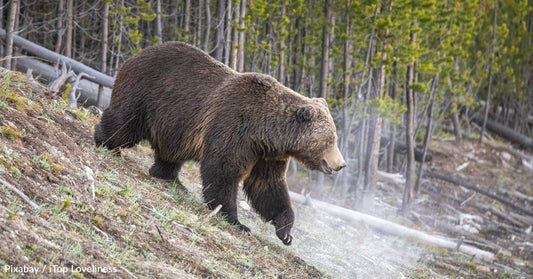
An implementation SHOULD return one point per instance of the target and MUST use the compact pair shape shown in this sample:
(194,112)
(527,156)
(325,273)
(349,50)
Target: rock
(244,205)
(506,156)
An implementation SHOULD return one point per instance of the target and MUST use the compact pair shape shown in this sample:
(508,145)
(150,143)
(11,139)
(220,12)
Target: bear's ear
(305,113)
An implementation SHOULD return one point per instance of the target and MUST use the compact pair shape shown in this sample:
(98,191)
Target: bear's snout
(333,160)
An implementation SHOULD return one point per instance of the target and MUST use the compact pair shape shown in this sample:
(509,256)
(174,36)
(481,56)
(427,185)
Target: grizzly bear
(240,127)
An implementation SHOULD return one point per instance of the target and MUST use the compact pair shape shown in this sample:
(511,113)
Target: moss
(66,93)
(11,133)
(19,102)
(97,220)
(57,168)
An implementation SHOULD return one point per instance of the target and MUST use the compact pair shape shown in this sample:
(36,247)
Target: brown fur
(238,126)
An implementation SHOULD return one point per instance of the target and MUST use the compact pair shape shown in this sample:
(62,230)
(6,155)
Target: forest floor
(102,216)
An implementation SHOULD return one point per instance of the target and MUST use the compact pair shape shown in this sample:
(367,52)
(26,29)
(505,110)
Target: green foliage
(388,108)
(66,93)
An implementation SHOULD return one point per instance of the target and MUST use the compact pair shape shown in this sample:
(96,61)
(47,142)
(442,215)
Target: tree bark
(408,193)
(227,47)
(205,42)
(219,40)
(325,51)
(159,27)
(70,26)
(235,40)
(493,42)
(428,132)
(59,25)
(391,155)
(242,34)
(10,33)
(281,74)
(53,57)
(459,182)
(391,228)
(105,28)
(187,23)
(345,93)
(505,132)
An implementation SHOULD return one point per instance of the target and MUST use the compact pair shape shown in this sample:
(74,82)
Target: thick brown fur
(240,127)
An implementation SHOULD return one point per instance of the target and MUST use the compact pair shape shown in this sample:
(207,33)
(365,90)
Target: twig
(469,198)
(102,232)
(215,211)
(19,193)
(128,272)
(160,234)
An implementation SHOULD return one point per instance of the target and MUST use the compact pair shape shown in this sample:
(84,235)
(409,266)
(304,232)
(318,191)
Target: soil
(102,216)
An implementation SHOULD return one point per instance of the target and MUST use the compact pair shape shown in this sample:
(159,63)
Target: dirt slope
(134,226)
(102,216)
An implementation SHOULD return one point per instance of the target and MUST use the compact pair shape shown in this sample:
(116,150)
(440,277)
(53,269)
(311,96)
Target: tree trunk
(390,227)
(199,24)
(105,28)
(227,47)
(408,193)
(159,27)
(458,133)
(392,133)
(10,33)
(325,51)
(345,93)
(486,115)
(70,27)
(187,20)
(205,42)
(523,140)
(59,25)
(428,131)
(242,33)
(236,33)
(53,57)
(219,40)
(281,74)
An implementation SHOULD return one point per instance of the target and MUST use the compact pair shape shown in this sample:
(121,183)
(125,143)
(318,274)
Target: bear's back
(172,70)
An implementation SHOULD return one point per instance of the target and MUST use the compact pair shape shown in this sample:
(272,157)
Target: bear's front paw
(285,238)
(283,223)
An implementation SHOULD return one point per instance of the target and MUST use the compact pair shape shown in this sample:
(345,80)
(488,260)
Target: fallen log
(401,147)
(46,73)
(505,132)
(53,57)
(459,182)
(393,228)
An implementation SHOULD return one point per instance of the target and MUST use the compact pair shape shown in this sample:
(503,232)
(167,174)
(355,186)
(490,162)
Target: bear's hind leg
(267,191)
(166,170)
(113,132)
(220,187)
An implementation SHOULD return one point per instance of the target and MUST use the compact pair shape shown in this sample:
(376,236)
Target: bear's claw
(244,229)
(286,239)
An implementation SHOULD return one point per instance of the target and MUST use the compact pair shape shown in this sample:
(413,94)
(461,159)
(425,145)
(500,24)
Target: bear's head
(316,146)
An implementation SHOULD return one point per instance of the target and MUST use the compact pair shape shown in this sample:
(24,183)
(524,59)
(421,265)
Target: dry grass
(135,225)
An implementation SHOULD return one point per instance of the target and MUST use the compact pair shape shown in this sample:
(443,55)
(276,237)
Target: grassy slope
(146,228)
(134,225)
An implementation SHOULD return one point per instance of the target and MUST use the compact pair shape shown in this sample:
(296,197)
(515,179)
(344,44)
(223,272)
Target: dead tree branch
(459,182)
(19,193)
